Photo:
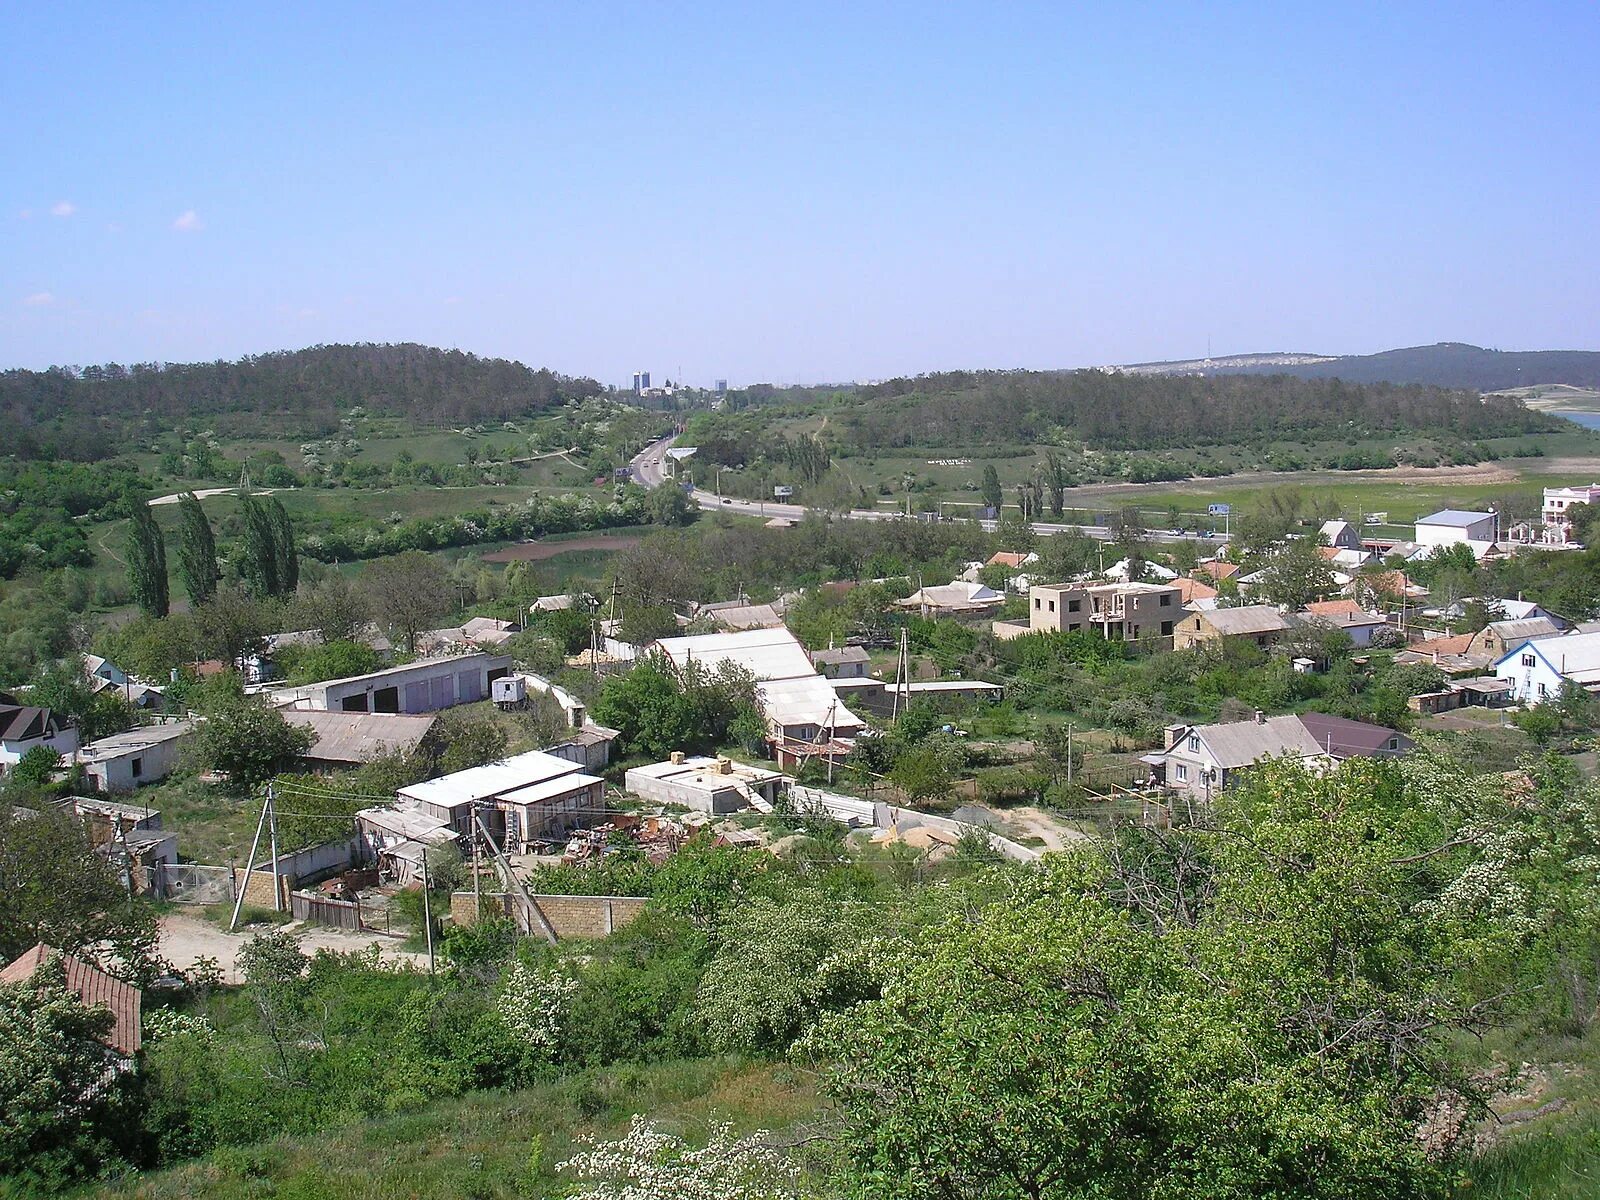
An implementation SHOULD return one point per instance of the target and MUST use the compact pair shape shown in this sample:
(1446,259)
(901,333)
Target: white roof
(549,789)
(1455,518)
(700,771)
(493,779)
(954,685)
(1576,656)
(406,822)
(765,653)
(808,700)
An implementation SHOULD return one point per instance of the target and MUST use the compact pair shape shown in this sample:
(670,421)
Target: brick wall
(258,888)
(569,916)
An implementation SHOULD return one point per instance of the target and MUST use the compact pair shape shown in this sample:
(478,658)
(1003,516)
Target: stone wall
(569,916)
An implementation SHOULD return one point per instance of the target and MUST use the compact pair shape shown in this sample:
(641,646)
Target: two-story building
(1127,612)
(1537,669)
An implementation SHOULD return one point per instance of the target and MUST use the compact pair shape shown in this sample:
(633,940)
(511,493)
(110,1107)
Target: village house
(958,600)
(1537,669)
(1258,624)
(1340,535)
(1557,503)
(25,726)
(1202,760)
(1358,625)
(522,799)
(1499,637)
(847,662)
(124,761)
(1453,527)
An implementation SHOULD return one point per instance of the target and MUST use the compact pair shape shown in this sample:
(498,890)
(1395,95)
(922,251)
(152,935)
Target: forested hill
(1447,364)
(1122,411)
(296,392)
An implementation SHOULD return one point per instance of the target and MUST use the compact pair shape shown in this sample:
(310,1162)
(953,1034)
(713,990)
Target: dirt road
(186,938)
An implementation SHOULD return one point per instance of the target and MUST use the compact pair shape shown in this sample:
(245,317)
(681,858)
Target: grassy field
(490,1144)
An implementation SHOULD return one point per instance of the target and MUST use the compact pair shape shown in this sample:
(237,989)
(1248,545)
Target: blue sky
(807,193)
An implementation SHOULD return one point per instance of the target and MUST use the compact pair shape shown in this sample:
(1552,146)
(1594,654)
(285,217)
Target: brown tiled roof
(1006,558)
(1193,589)
(1334,608)
(95,989)
(1459,644)
(1219,569)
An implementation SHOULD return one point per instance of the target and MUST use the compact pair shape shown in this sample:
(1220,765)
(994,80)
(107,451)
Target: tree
(645,623)
(658,709)
(259,557)
(147,562)
(333,608)
(1297,574)
(233,626)
(469,741)
(249,742)
(992,495)
(197,552)
(331,660)
(35,769)
(55,1106)
(407,593)
(921,774)
(1056,482)
(670,506)
(1013,532)
(55,889)
(285,562)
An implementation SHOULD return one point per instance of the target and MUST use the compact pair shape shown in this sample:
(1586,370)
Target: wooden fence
(341,914)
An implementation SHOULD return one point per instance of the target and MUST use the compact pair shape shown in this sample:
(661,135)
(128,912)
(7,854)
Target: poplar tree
(147,562)
(286,564)
(259,559)
(197,552)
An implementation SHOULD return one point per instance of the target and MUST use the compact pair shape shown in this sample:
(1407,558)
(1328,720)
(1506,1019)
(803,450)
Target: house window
(1166,628)
(1543,691)
(1394,743)
(1166,601)
(1038,603)
(1194,744)
(1527,660)
(138,767)
(1180,773)
(1052,606)
(1074,605)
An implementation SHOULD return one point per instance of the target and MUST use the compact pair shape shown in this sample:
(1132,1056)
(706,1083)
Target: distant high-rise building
(722,387)
(637,385)
(644,379)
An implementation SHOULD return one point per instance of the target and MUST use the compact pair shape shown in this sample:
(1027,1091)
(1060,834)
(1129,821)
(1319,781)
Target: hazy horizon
(841,194)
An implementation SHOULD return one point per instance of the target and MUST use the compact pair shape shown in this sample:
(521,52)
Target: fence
(195,883)
(341,914)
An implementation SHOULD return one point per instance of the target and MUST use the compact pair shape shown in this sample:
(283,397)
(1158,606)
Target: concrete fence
(569,916)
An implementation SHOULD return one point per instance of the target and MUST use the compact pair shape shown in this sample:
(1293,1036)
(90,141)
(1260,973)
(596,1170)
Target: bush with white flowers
(534,1003)
(648,1163)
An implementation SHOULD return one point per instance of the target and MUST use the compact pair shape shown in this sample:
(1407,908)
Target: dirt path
(203,493)
(186,938)
(1028,821)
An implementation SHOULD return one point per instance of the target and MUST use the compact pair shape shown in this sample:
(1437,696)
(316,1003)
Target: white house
(1453,527)
(124,761)
(1204,759)
(1558,499)
(1537,669)
(1341,535)
(24,726)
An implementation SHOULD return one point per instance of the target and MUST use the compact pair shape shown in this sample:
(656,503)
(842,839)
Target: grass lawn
(212,825)
(489,1144)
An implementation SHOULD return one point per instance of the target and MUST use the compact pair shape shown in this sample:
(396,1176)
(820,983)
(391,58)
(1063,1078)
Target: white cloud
(187,222)
(63,208)
(39,300)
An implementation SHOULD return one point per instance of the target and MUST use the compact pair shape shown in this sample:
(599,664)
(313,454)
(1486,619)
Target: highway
(649,470)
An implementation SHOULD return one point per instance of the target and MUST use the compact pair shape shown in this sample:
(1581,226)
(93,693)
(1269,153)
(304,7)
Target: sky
(801,193)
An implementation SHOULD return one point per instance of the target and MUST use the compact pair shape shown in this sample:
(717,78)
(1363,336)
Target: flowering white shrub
(534,1003)
(650,1164)
(165,1022)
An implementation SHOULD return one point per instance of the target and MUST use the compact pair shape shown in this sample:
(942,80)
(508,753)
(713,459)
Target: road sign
(1218,510)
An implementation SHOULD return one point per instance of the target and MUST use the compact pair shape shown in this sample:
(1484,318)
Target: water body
(1589,420)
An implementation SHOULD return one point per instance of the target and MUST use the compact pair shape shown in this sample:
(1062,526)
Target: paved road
(204,493)
(649,471)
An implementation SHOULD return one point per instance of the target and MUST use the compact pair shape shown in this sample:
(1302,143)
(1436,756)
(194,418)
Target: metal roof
(407,822)
(133,741)
(808,700)
(1240,743)
(550,789)
(765,653)
(1455,518)
(1576,656)
(844,654)
(1252,618)
(493,779)
(95,989)
(351,737)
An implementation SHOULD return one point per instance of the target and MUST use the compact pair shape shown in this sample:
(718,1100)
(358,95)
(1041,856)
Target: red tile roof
(1334,608)
(1193,589)
(95,989)
(1218,569)
(1006,558)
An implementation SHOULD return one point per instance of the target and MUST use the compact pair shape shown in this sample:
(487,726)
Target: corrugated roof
(134,740)
(1344,738)
(1524,630)
(404,821)
(1574,655)
(1240,743)
(95,989)
(765,653)
(549,789)
(808,700)
(1252,618)
(844,654)
(493,779)
(359,737)
(747,616)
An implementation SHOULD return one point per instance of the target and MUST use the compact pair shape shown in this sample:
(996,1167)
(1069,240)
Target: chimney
(1261,717)
(724,766)
(677,758)
(1174,733)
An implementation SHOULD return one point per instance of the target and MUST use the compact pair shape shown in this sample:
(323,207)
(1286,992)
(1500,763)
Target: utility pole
(272,818)
(249,865)
(1069,753)
(477,885)
(427,910)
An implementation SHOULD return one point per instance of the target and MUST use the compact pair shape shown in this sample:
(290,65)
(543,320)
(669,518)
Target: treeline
(81,413)
(1118,411)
